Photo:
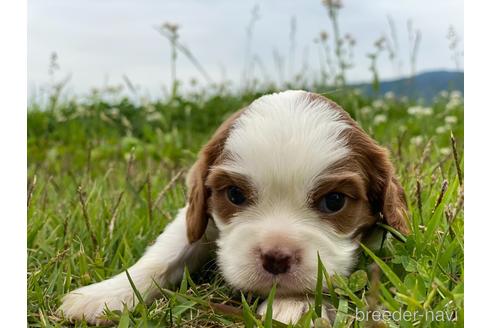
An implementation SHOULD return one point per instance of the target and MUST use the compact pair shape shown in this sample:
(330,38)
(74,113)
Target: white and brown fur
(284,151)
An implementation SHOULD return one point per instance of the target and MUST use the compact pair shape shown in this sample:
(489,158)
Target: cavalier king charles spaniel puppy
(287,178)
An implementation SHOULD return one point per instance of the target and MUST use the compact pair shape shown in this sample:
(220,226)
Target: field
(106,173)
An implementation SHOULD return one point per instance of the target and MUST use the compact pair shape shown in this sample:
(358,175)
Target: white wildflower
(455,94)
(453,103)
(445,151)
(390,95)
(378,104)
(413,110)
(155,116)
(441,129)
(420,111)
(417,141)
(427,111)
(366,110)
(443,94)
(451,119)
(380,118)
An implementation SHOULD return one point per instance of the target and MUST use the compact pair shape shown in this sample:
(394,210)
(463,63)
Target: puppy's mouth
(287,284)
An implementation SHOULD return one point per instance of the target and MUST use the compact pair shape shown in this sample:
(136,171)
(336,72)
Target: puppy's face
(290,177)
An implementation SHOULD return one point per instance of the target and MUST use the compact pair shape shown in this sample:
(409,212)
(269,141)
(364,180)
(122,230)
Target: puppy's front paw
(290,309)
(89,302)
(286,310)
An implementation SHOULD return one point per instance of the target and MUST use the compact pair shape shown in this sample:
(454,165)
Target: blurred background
(155,47)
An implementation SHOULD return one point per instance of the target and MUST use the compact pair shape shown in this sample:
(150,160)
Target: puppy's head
(288,177)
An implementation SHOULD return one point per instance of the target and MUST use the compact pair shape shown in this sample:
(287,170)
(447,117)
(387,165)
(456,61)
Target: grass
(105,176)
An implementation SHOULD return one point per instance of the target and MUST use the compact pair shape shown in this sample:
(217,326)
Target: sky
(100,41)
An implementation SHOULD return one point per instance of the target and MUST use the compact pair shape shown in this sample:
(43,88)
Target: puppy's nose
(276,261)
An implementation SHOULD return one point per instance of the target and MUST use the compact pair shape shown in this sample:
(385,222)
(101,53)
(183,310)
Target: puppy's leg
(162,263)
(290,309)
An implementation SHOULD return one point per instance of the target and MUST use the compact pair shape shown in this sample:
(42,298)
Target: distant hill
(425,85)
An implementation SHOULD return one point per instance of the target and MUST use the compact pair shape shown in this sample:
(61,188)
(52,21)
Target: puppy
(287,178)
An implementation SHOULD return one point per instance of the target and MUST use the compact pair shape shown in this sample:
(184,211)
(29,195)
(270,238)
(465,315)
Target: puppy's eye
(235,195)
(332,202)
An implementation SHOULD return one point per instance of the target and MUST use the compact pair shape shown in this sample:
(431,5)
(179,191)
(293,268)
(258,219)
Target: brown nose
(276,261)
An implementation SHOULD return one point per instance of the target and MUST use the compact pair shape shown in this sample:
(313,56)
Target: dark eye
(235,195)
(332,202)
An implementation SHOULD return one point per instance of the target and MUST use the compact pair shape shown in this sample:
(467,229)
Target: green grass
(106,176)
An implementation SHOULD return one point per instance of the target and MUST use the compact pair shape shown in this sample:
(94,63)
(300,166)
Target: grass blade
(386,270)
(269,312)
(248,316)
(318,295)
(341,316)
(135,290)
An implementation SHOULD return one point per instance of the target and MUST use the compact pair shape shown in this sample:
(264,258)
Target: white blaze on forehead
(286,139)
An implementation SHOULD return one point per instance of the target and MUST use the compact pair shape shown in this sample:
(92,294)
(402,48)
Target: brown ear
(395,206)
(385,193)
(197,214)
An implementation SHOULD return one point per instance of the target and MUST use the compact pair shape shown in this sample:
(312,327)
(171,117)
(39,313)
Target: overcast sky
(98,41)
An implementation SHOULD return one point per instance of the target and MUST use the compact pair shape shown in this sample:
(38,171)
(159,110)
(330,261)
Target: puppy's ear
(386,193)
(197,214)
(394,208)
